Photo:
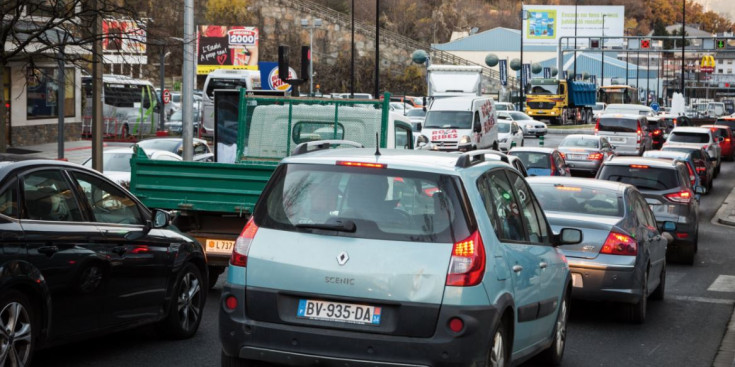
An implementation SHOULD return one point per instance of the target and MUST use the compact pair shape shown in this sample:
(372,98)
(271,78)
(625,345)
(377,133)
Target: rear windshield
(365,203)
(416,112)
(729,123)
(682,137)
(534,160)
(578,199)
(572,141)
(641,176)
(696,153)
(618,125)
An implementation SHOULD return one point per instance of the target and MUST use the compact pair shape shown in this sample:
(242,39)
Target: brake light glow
(231,302)
(619,244)
(682,235)
(552,165)
(361,164)
(657,132)
(242,244)
(701,169)
(594,156)
(568,188)
(727,140)
(467,265)
(683,196)
(692,177)
(640,166)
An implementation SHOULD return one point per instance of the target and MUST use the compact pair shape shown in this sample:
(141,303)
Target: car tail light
(692,177)
(639,166)
(675,122)
(361,164)
(242,245)
(682,235)
(657,132)
(619,244)
(639,134)
(597,126)
(456,324)
(595,156)
(467,266)
(701,169)
(230,302)
(683,196)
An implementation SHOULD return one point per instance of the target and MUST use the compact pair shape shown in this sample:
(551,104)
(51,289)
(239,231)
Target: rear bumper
(605,283)
(300,345)
(585,166)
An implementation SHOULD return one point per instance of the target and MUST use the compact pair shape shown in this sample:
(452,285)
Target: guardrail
(438,56)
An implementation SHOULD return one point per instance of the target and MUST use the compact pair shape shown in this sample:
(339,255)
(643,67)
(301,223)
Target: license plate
(617,140)
(577,280)
(577,157)
(219,246)
(339,312)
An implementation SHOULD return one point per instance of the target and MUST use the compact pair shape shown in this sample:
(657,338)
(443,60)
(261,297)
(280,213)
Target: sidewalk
(726,214)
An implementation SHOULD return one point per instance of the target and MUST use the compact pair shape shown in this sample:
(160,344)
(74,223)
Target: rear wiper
(336,225)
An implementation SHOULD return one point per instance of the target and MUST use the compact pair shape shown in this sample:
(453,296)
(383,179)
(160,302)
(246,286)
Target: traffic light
(646,43)
(720,44)
(283,62)
(594,43)
(305,61)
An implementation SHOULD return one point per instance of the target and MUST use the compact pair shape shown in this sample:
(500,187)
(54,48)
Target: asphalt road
(685,329)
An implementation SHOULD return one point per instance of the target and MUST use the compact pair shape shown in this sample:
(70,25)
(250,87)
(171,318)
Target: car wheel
(185,311)
(658,294)
(229,361)
(555,352)
(498,356)
(637,311)
(18,331)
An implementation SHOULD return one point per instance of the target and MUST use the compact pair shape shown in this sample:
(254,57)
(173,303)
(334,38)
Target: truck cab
(561,101)
(461,123)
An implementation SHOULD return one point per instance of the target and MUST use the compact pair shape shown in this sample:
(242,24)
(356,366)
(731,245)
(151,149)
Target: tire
(18,320)
(499,352)
(214,273)
(185,311)
(637,311)
(553,355)
(228,361)
(658,294)
(685,254)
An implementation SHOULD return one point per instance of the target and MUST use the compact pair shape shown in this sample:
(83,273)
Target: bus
(224,79)
(618,94)
(129,106)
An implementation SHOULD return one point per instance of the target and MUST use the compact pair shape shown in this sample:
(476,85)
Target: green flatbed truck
(213,201)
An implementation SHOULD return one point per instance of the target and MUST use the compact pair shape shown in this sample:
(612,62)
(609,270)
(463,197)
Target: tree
(659,29)
(33,30)
(228,12)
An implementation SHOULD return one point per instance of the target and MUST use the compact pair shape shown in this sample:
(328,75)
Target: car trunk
(664,209)
(405,290)
(595,230)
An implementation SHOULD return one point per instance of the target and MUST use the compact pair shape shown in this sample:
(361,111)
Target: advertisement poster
(503,67)
(544,25)
(226,47)
(525,76)
(123,36)
(269,79)
(547,72)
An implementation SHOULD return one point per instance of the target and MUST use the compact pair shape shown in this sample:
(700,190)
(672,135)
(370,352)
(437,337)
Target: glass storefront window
(43,93)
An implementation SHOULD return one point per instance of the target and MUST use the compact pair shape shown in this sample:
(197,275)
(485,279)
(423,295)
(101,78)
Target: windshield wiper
(336,225)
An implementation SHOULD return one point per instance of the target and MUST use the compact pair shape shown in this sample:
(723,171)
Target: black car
(80,256)
(657,129)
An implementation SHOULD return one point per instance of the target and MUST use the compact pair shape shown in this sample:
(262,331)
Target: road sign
(720,44)
(655,107)
(166,96)
(646,43)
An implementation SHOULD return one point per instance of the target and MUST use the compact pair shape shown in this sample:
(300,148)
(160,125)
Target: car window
(578,199)
(403,138)
(534,160)
(618,125)
(578,141)
(641,176)
(9,201)
(682,137)
(684,174)
(383,204)
(109,203)
(535,222)
(48,196)
(643,212)
(501,206)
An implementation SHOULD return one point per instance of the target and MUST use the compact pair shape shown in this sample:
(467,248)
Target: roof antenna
(377,144)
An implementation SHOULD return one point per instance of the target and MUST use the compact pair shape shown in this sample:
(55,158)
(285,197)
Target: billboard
(226,47)
(123,36)
(269,79)
(543,24)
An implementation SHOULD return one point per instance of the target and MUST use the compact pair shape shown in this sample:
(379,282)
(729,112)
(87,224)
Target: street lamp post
(317,23)
(683,41)
(523,82)
(602,45)
(575,38)
(352,52)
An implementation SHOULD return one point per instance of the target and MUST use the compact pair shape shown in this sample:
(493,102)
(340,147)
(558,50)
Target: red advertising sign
(226,47)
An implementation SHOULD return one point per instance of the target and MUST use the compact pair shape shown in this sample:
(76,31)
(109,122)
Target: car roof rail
(469,159)
(303,148)
(503,157)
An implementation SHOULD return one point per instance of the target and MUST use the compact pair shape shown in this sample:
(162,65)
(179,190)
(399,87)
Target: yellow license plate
(219,247)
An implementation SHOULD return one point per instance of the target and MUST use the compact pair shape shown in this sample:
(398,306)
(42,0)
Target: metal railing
(437,56)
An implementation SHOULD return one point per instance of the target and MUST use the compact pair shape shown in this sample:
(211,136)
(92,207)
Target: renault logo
(342,258)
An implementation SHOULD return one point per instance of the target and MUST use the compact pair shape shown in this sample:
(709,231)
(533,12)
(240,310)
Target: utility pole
(162,74)
(523,85)
(352,53)
(602,45)
(97,94)
(377,49)
(683,42)
(575,39)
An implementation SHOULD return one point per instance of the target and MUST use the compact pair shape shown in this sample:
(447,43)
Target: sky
(720,6)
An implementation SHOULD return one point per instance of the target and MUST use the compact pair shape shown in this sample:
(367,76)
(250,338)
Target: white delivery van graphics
(461,123)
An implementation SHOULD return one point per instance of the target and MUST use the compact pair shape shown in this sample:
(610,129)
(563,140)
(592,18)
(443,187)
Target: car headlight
(465,140)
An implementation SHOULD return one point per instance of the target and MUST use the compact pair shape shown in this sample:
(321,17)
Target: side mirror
(422,141)
(569,236)
(700,189)
(160,218)
(668,226)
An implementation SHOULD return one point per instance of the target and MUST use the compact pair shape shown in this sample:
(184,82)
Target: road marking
(723,283)
(703,300)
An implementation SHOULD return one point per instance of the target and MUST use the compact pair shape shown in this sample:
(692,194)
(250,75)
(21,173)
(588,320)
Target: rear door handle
(543,265)
(517,268)
(48,250)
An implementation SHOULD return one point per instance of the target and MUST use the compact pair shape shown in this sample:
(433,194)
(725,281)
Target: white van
(461,123)
(224,79)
